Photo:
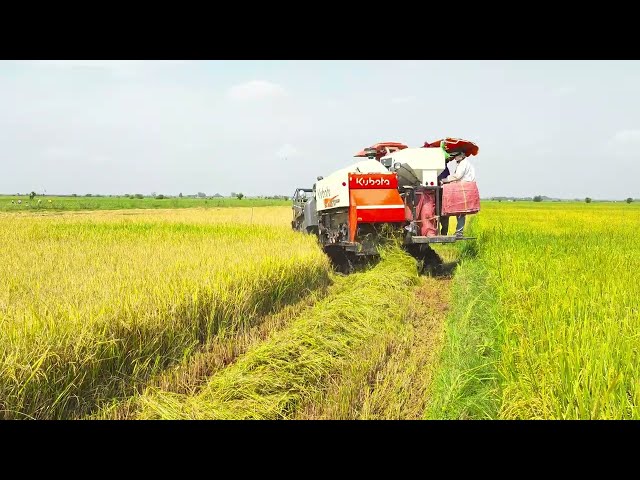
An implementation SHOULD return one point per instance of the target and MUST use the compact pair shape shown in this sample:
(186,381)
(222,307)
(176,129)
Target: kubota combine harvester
(395,189)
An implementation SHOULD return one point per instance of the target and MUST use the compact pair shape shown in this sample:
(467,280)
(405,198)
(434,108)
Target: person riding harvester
(459,194)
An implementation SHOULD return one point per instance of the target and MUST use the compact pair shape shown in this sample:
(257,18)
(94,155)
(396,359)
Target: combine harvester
(394,191)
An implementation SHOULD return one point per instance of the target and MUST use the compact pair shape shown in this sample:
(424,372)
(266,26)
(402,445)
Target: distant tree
(240,195)
(139,195)
(88,195)
(180,195)
(201,195)
(588,200)
(537,198)
(32,195)
(160,197)
(74,194)
(629,200)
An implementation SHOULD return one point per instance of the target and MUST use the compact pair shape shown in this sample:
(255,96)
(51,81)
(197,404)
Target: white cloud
(287,151)
(563,91)
(398,100)
(61,153)
(627,136)
(622,144)
(255,89)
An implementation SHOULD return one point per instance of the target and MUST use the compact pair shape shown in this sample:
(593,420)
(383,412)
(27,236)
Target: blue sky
(569,129)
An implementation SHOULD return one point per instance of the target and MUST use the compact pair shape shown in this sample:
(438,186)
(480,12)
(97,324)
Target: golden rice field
(546,319)
(93,303)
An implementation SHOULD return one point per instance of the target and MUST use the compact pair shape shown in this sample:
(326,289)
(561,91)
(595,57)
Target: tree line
(540,198)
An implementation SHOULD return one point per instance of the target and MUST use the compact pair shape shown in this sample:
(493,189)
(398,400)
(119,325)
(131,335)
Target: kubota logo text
(372,182)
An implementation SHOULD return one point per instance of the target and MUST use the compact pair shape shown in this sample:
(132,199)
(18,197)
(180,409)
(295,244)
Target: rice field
(42,203)
(92,304)
(545,319)
(225,313)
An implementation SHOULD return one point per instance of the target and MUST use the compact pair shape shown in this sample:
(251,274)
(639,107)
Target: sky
(567,129)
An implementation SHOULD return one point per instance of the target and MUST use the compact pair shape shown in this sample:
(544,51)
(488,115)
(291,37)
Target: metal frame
(298,205)
(437,239)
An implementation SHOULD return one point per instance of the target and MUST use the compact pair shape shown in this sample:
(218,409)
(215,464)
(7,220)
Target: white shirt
(452,165)
(464,172)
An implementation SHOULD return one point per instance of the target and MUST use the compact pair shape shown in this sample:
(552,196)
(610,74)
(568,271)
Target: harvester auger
(392,192)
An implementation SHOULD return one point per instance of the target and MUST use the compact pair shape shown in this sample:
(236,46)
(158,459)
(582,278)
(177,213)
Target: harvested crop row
(274,379)
(90,308)
(189,375)
(391,378)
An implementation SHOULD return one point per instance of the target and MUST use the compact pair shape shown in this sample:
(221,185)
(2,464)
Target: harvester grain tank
(392,188)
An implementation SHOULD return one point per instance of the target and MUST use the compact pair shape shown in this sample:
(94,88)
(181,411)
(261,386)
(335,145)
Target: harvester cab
(393,187)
